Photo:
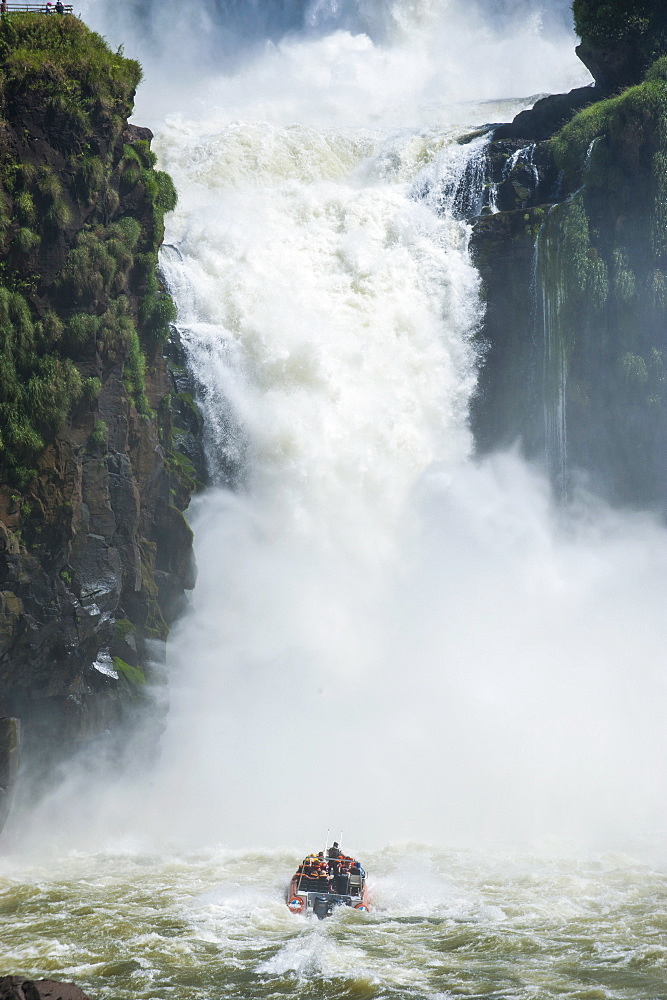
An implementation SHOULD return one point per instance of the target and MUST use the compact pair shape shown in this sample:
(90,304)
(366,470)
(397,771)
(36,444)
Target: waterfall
(384,627)
(361,614)
(464,189)
(328,304)
(558,277)
(552,335)
(420,54)
(340,283)
(328,312)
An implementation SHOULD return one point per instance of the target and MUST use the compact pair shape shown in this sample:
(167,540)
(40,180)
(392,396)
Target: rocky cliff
(572,247)
(620,39)
(97,460)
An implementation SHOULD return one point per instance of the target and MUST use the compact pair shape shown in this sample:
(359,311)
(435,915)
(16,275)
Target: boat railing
(33,8)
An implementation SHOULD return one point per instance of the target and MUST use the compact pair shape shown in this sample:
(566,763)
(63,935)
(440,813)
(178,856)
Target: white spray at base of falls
(383,630)
(330,317)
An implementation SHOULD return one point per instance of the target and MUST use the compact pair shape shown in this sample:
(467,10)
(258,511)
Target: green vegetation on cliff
(615,154)
(605,21)
(605,282)
(95,553)
(70,240)
(37,385)
(620,38)
(616,150)
(67,61)
(580,353)
(607,136)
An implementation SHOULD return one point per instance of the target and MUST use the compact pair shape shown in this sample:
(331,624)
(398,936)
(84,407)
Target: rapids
(200,925)
(387,634)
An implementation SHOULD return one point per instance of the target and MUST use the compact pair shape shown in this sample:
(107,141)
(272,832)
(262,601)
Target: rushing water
(201,925)
(386,635)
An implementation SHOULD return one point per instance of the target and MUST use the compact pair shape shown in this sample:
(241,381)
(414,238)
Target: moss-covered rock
(620,38)
(90,468)
(575,322)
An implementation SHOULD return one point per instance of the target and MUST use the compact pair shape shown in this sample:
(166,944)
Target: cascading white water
(341,61)
(329,314)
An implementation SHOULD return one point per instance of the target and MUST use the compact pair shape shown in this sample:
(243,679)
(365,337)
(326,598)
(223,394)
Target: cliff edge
(572,248)
(97,460)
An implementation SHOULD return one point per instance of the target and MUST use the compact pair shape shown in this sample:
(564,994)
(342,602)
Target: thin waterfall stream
(551,328)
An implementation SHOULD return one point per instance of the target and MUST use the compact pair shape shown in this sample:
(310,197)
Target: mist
(492,678)
(340,63)
(496,679)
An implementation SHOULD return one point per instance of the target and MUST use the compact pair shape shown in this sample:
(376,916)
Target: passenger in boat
(339,854)
(341,881)
(357,876)
(316,877)
(309,873)
(324,872)
(334,855)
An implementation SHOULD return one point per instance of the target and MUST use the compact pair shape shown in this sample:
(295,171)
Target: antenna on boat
(340,841)
(326,842)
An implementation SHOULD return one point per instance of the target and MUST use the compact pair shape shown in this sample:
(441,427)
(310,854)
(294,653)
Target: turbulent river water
(126,924)
(387,635)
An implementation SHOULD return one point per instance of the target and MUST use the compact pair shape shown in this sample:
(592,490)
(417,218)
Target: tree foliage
(104,302)
(608,21)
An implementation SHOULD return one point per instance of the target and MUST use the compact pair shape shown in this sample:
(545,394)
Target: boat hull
(322,904)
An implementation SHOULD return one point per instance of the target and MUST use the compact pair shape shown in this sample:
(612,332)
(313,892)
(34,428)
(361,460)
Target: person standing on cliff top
(3,7)
(60,9)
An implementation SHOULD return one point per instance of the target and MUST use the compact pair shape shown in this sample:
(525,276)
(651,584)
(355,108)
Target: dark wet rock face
(572,249)
(98,449)
(10,750)
(19,988)
(547,115)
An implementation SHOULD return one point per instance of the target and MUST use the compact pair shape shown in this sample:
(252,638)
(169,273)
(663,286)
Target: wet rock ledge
(19,988)
(571,244)
(95,554)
